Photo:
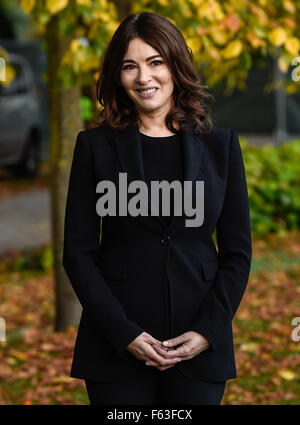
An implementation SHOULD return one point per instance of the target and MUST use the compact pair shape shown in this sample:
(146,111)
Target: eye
(157,61)
(126,66)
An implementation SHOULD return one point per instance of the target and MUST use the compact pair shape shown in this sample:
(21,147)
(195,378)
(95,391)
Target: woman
(158,297)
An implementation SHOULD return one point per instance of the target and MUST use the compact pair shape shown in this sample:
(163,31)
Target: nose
(143,76)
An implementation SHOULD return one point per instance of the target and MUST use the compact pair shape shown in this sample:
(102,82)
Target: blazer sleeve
(233,234)
(81,255)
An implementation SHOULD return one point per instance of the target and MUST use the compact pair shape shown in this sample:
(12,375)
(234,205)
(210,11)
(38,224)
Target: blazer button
(165,239)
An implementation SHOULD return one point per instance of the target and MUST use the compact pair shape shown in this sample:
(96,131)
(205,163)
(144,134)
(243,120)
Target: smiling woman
(148,83)
(158,297)
(148,52)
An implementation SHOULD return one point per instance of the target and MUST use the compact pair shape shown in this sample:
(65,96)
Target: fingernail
(147,364)
(165,342)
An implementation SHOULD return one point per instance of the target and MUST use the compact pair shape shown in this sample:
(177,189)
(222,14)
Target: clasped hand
(163,356)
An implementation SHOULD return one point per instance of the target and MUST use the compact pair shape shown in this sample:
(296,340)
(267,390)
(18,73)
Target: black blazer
(120,282)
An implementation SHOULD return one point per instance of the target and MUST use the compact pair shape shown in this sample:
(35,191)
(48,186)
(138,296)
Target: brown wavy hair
(189,95)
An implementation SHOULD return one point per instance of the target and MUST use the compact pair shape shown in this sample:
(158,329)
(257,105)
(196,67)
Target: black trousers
(169,386)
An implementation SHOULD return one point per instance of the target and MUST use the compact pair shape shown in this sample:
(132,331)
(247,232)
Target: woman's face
(139,70)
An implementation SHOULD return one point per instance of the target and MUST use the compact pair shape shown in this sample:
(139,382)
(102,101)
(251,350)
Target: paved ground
(24,221)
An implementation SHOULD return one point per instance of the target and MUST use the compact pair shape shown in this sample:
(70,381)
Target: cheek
(166,78)
(125,81)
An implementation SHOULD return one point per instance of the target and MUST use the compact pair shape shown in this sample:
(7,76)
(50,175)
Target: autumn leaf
(289,6)
(277,36)
(286,374)
(27,5)
(55,6)
(283,65)
(292,45)
(233,49)
(85,2)
(251,347)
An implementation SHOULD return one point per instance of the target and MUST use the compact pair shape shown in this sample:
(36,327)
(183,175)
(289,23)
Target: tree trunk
(65,123)
(123,8)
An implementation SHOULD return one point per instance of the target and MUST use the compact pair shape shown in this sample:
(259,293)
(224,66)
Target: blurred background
(248,54)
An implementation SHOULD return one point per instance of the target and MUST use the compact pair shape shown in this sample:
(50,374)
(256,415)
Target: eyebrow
(147,59)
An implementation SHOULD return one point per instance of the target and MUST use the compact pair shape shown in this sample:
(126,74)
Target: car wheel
(28,166)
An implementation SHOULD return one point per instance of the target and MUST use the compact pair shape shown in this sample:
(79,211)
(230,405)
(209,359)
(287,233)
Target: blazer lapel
(129,149)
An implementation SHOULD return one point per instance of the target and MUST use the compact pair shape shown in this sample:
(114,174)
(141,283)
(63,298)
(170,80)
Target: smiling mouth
(146,91)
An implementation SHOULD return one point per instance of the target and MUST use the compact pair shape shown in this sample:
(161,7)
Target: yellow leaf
(231,396)
(286,374)
(265,356)
(211,10)
(256,302)
(10,74)
(292,89)
(289,6)
(297,348)
(19,355)
(292,45)
(27,5)
(282,65)
(194,43)
(102,15)
(55,6)
(112,26)
(254,40)
(277,36)
(219,36)
(250,347)
(62,380)
(74,45)
(163,2)
(214,53)
(84,2)
(68,58)
(233,49)
(244,314)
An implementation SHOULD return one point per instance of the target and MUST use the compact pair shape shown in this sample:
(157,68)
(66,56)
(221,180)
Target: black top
(163,160)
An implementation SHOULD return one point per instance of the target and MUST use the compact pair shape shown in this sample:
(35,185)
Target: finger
(165,349)
(167,362)
(176,341)
(164,367)
(161,347)
(159,366)
(154,356)
(182,351)
(165,352)
(170,354)
(151,340)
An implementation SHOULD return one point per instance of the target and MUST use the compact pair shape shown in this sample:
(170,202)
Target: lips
(146,88)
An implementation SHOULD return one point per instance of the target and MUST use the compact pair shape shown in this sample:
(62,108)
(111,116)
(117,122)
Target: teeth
(147,91)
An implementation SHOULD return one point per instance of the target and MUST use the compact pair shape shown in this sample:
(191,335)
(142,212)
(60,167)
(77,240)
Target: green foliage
(224,37)
(34,259)
(86,108)
(273,178)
